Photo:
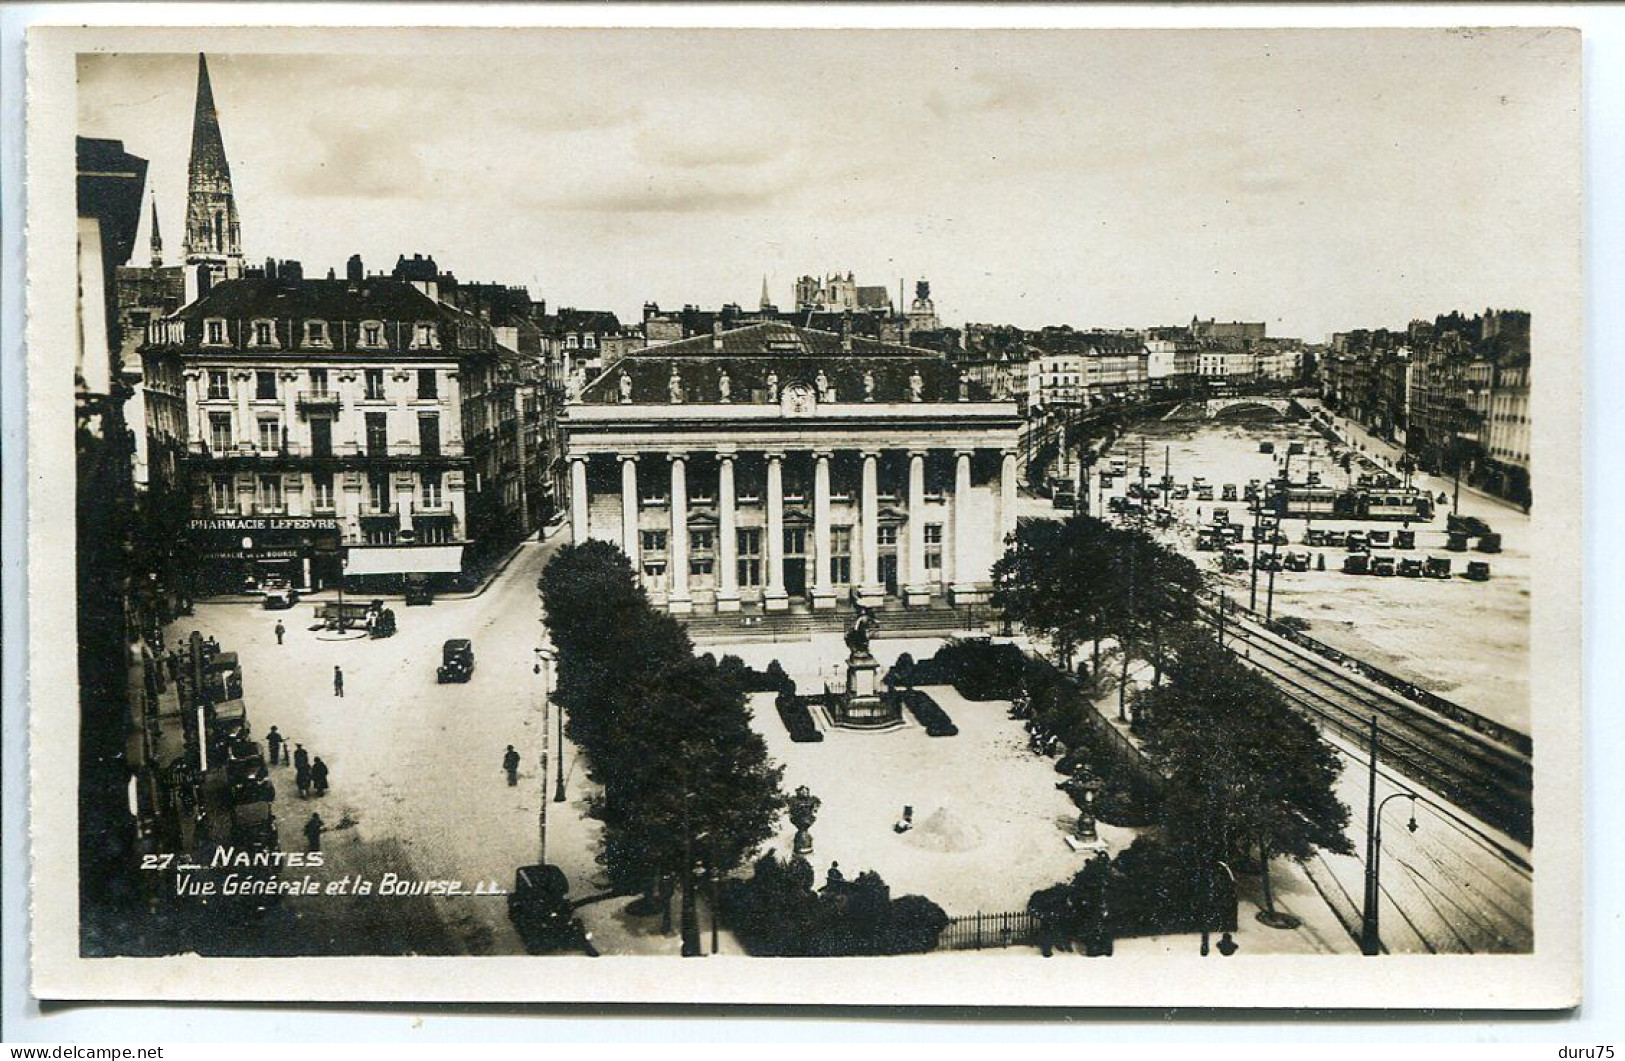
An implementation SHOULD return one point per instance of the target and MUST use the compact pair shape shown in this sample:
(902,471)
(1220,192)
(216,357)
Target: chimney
(716,335)
(353,269)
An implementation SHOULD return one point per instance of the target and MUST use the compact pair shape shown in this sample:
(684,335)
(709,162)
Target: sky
(1315,180)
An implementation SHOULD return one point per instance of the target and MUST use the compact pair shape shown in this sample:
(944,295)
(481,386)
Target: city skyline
(879,153)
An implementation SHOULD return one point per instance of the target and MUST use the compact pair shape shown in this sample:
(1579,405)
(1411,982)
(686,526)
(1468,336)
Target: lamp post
(558,789)
(1370,937)
(544,668)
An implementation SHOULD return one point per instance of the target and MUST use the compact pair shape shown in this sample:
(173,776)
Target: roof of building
(375,298)
(877,297)
(751,354)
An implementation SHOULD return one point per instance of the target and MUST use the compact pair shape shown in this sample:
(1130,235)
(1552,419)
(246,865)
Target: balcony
(270,508)
(309,400)
(369,510)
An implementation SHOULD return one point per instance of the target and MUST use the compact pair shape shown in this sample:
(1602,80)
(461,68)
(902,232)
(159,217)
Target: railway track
(1484,778)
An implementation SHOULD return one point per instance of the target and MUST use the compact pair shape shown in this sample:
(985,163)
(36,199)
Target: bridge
(1238,406)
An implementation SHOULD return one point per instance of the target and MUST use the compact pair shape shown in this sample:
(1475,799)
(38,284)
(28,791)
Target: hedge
(797,719)
(929,714)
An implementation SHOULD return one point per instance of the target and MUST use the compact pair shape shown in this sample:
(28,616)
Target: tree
(1243,768)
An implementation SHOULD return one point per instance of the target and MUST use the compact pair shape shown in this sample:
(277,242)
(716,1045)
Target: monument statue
(725,386)
(822,384)
(868,386)
(674,386)
(772,386)
(857,638)
(626,388)
(915,386)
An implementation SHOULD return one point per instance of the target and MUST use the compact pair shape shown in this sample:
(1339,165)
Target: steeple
(157,240)
(212,237)
(767,303)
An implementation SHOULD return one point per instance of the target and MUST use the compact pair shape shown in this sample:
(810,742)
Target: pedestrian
(338,680)
(301,779)
(301,758)
(280,630)
(318,776)
(510,763)
(313,833)
(275,742)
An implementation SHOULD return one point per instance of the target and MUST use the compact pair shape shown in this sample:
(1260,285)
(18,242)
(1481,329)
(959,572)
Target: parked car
(1384,566)
(1410,568)
(1182,493)
(1489,543)
(1268,562)
(1234,559)
(1405,539)
(1478,570)
(1356,540)
(1436,567)
(1457,542)
(1233,532)
(1266,447)
(1221,515)
(1297,561)
(278,593)
(1207,539)
(456,660)
(540,909)
(418,591)
(1203,493)
(1379,539)
(1357,564)
(1314,536)
(1336,539)
(1229,492)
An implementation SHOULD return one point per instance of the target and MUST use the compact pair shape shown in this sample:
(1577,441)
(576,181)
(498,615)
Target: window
(270,434)
(219,385)
(795,541)
(265,385)
(316,333)
(375,384)
(219,432)
(840,555)
(215,332)
(701,565)
(933,547)
(429,435)
(262,334)
(654,568)
(223,494)
(425,335)
(377,435)
(433,532)
(378,498)
(701,541)
(428,383)
(432,495)
(588,342)
(750,556)
(270,493)
(372,334)
(653,541)
(571,342)
(321,436)
(381,534)
(321,490)
(318,381)
(886,535)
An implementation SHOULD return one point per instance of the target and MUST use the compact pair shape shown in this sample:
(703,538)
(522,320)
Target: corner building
(777,467)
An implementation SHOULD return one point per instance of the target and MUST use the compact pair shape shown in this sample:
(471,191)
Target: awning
(404,559)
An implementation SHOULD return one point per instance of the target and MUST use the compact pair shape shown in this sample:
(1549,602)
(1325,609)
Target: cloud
(671,194)
(369,162)
(985,92)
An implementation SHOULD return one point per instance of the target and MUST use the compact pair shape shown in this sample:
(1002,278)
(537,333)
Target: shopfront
(244,554)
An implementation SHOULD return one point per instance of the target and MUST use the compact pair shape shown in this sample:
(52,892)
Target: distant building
(214,249)
(836,294)
(1229,334)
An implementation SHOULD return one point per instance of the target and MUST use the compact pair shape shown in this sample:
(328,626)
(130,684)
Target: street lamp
(544,668)
(1370,937)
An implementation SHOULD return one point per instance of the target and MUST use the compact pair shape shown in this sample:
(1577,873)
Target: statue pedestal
(862,705)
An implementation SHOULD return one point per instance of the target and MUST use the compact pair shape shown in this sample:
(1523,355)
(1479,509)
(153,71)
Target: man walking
(318,776)
(275,742)
(338,680)
(314,829)
(280,630)
(301,779)
(510,763)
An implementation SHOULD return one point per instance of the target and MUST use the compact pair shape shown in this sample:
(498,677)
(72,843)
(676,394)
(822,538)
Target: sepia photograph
(1029,510)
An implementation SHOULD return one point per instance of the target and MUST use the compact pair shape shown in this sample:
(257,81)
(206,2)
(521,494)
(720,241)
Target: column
(1007,500)
(578,499)
(823,595)
(290,388)
(629,510)
(727,537)
(963,587)
(677,598)
(916,591)
(246,428)
(870,591)
(774,599)
(198,423)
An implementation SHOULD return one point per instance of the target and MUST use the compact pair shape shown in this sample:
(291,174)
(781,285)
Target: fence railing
(981,931)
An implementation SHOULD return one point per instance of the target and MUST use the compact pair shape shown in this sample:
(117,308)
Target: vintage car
(540,909)
(1314,536)
(1067,501)
(1294,449)
(1356,540)
(1489,543)
(1456,542)
(1336,538)
(1221,516)
(1208,539)
(1296,561)
(1380,539)
(1229,493)
(1234,559)
(1268,562)
(1203,493)
(1436,567)
(1116,504)
(278,593)
(1410,568)
(1471,526)
(456,661)
(1266,447)
(1182,493)
(1357,564)
(418,591)
(1233,532)
(1404,539)
(1478,570)
(1384,566)
(253,825)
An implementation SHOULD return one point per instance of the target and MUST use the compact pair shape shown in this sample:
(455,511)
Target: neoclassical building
(771,466)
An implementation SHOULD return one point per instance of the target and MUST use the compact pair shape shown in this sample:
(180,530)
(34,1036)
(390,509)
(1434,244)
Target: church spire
(767,302)
(212,236)
(157,240)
